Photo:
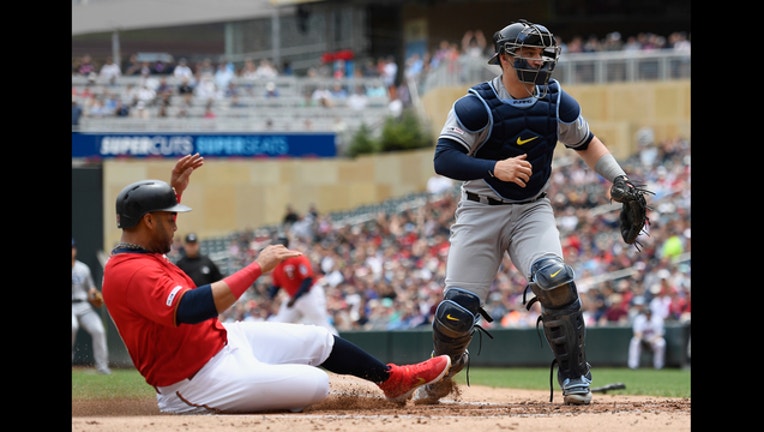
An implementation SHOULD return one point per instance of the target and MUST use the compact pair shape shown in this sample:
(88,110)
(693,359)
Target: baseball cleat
(403,380)
(576,391)
(431,394)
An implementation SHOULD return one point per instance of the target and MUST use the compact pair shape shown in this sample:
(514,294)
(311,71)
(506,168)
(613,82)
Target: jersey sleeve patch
(172,295)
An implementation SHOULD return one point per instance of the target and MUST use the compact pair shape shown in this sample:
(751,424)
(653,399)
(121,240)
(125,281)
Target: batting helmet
(145,196)
(526,34)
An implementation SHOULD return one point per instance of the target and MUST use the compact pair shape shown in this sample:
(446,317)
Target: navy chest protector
(520,126)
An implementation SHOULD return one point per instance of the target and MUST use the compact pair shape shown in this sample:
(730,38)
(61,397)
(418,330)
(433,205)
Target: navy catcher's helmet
(526,34)
(145,196)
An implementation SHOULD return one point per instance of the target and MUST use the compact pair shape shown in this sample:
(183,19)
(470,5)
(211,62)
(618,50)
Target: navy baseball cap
(191,238)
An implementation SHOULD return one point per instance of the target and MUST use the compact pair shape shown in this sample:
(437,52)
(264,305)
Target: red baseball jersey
(290,273)
(142,292)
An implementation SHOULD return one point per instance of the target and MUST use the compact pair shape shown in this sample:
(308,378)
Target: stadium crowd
(171,89)
(386,273)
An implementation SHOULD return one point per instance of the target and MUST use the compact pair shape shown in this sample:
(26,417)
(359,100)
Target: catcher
(499,140)
(85,300)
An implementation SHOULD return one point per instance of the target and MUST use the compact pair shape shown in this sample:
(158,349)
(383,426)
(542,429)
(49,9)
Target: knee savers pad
(457,313)
(552,283)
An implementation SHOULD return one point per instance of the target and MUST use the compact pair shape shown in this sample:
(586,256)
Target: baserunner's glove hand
(633,217)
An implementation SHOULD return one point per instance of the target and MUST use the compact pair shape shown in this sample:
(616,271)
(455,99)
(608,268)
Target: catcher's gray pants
(482,234)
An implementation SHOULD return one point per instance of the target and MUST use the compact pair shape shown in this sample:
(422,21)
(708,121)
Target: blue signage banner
(173,145)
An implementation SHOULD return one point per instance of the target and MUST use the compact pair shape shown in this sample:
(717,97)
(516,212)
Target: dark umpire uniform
(200,268)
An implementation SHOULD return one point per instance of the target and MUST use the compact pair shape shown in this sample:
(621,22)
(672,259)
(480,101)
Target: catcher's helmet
(145,196)
(526,34)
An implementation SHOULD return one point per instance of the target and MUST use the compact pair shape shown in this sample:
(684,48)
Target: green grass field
(127,383)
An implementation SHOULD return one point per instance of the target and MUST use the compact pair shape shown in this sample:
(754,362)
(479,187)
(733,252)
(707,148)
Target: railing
(574,68)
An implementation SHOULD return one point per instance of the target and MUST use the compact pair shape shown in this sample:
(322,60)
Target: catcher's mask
(526,34)
(145,196)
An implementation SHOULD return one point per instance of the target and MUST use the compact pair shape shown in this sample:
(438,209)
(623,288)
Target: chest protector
(520,126)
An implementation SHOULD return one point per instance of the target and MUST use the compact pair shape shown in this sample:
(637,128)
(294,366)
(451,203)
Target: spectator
(271,91)
(248,76)
(86,66)
(163,88)
(441,54)
(183,73)
(474,44)
(322,97)
(146,94)
(76,113)
(290,216)
(121,109)
(414,66)
(186,90)
(206,89)
(198,266)
(209,113)
(617,311)
(388,70)
(133,66)
(204,69)
(84,313)
(224,74)
(358,99)
(110,72)
(266,70)
(648,330)
(339,92)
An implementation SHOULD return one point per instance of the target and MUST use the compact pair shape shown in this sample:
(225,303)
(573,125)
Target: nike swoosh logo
(555,273)
(521,141)
(421,381)
(450,318)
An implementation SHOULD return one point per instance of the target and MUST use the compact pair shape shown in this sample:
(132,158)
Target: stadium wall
(242,193)
(527,347)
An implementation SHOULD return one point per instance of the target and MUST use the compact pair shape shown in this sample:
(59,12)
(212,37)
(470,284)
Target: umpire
(196,265)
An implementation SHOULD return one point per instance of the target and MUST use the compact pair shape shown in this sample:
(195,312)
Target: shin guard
(453,326)
(562,316)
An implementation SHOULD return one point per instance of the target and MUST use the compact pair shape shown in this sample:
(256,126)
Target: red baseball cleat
(405,379)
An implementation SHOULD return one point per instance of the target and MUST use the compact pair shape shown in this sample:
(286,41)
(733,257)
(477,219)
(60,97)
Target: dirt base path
(356,405)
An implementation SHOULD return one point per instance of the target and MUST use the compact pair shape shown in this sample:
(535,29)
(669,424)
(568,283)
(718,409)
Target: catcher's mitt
(633,216)
(96,299)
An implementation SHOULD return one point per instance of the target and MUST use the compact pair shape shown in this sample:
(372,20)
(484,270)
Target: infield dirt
(356,405)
